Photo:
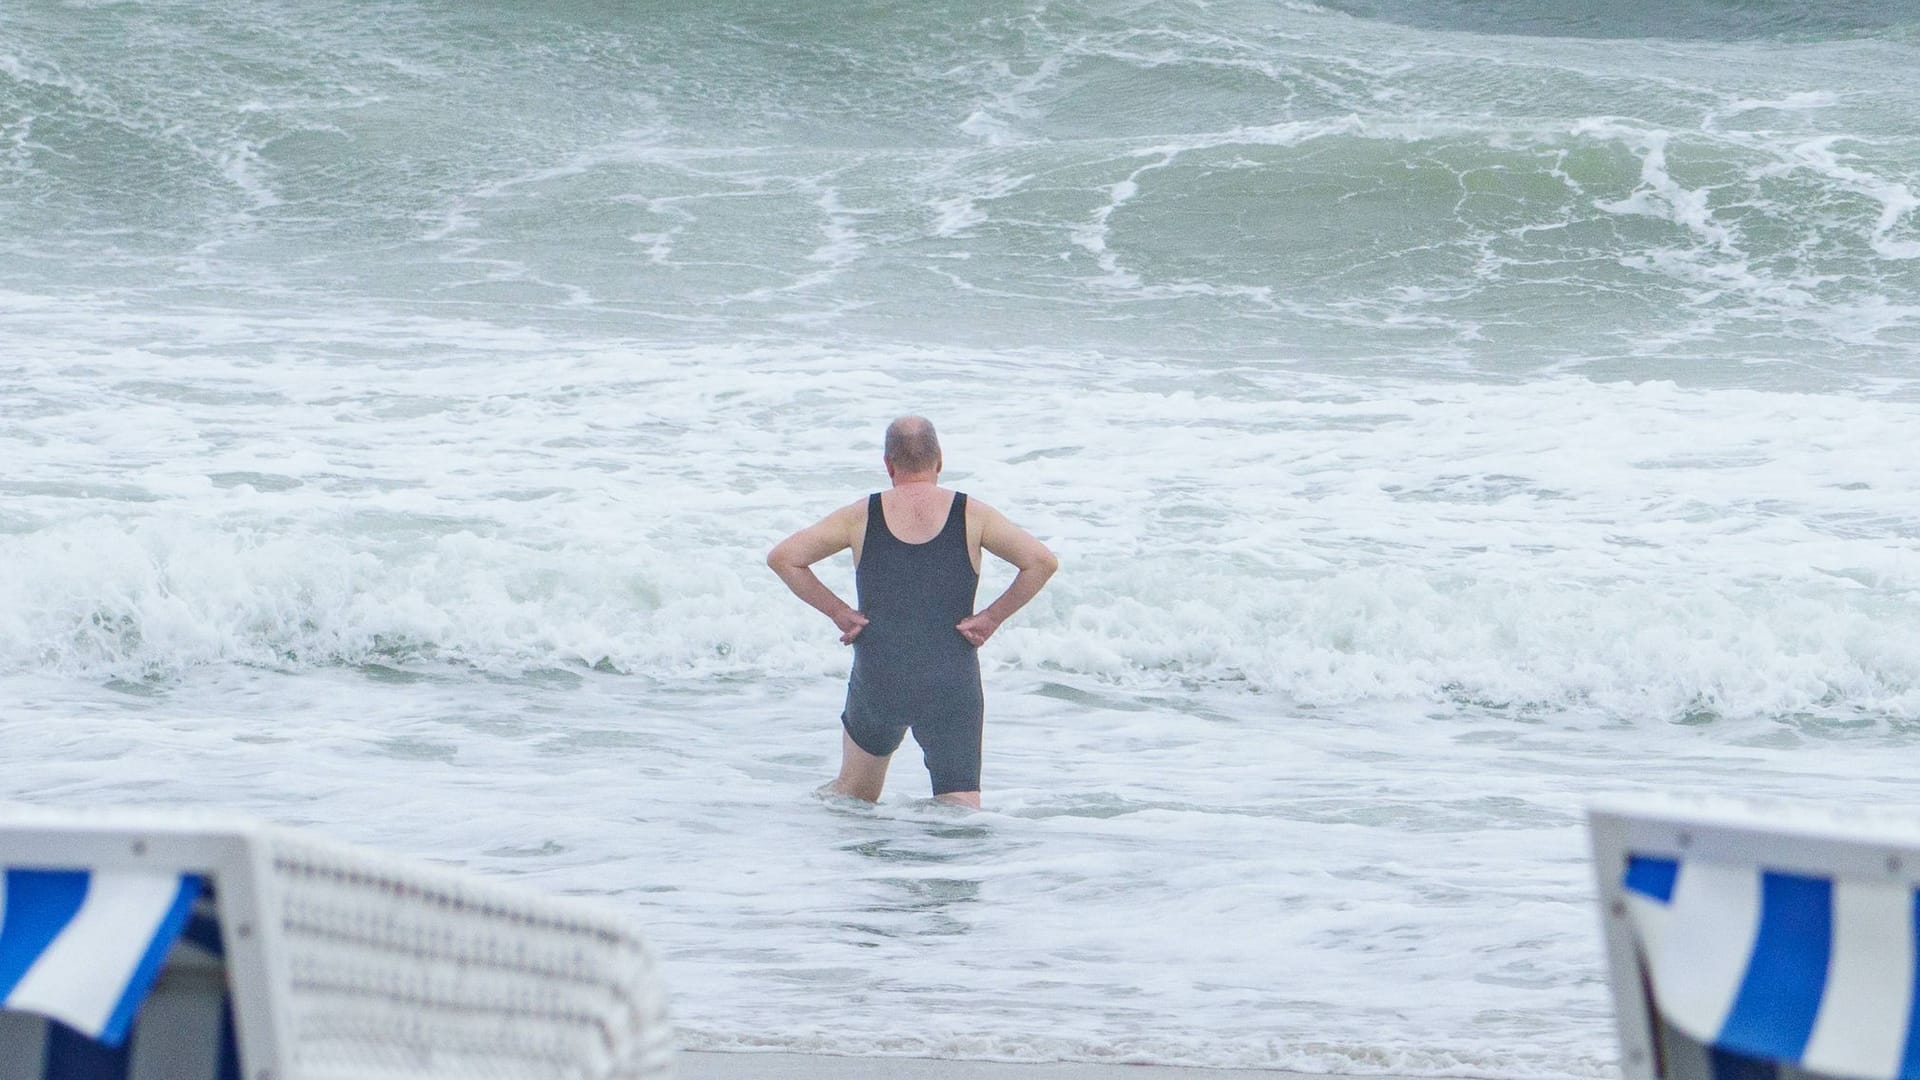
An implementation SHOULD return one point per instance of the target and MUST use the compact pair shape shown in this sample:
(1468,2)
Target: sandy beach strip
(763,1066)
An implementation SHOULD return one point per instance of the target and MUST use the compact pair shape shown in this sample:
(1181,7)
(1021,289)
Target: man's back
(915,590)
(916,549)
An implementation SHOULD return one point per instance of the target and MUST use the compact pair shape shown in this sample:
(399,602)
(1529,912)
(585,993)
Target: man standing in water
(916,557)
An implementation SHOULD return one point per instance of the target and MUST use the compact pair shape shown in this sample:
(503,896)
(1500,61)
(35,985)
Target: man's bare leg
(861,774)
(968,799)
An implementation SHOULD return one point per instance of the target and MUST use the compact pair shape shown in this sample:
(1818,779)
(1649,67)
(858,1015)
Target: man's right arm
(1031,557)
(793,560)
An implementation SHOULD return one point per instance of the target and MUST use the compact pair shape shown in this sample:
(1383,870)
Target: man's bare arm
(793,560)
(1035,563)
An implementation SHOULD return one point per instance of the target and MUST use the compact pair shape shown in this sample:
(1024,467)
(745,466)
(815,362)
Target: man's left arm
(1031,557)
(793,560)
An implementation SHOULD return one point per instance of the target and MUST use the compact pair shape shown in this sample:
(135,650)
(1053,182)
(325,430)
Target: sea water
(1444,414)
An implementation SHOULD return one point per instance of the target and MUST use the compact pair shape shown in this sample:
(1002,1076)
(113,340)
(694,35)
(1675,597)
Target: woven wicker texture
(403,969)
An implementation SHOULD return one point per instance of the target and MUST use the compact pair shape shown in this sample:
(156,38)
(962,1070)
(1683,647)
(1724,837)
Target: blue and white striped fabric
(1809,971)
(84,947)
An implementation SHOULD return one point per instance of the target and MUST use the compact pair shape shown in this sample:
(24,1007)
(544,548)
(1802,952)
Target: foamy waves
(150,600)
(1638,548)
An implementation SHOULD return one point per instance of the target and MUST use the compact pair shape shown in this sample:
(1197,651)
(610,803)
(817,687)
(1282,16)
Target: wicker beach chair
(1749,942)
(151,947)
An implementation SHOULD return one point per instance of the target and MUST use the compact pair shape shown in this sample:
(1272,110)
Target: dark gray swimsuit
(911,667)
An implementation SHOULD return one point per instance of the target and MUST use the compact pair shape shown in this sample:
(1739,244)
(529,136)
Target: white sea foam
(1636,547)
(1305,890)
(1800,102)
(1896,200)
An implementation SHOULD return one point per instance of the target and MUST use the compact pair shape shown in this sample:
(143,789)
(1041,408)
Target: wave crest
(151,600)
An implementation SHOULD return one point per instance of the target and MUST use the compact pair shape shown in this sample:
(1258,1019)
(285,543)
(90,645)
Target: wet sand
(755,1066)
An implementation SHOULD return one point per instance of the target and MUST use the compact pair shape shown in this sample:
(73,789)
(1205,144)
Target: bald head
(912,446)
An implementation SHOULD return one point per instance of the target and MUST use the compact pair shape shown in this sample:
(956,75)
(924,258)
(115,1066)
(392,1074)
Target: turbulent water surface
(1444,412)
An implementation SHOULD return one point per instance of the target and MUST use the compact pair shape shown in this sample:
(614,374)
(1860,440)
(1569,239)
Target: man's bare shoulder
(977,506)
(992,530)
(983,513)
(852,517)
(836,532)
(986,524)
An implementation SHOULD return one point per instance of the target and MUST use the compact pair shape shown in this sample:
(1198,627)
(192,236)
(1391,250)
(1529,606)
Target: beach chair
(178,947)
(1752,942)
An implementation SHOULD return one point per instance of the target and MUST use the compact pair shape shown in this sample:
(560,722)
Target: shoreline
(757,1065)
